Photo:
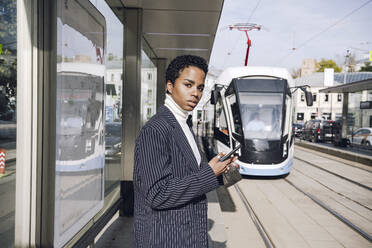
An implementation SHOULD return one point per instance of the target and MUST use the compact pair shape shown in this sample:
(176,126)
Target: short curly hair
(178,64)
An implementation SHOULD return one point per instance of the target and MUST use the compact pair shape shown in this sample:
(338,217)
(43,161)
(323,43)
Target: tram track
(338,160)
(330,189)
(335,174)
(261,229)
(332,211)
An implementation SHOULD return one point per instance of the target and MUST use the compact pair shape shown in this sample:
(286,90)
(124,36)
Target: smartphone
(230,153)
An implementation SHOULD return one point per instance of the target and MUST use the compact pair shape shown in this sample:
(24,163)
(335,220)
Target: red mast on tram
(245,27)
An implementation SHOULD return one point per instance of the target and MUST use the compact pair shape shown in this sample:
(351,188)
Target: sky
(318,28)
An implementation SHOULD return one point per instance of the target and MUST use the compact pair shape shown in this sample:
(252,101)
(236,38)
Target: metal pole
(248,46)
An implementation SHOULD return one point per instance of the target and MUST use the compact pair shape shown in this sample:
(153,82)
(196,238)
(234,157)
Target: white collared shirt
(181,116)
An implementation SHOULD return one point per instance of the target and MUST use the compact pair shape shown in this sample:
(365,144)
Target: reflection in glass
(8,122)
(113,96)
(148,88)
(79,118)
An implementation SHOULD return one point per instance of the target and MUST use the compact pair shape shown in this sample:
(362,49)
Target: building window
(339,97)
(149,76)
(302,97)
(313,116)
(149,94)
(112,77)
(149,113)
(326,98)
(314,97)
(300,116)
(326,116)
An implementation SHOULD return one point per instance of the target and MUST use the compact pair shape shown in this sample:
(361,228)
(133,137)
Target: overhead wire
(236,41)
(324,30)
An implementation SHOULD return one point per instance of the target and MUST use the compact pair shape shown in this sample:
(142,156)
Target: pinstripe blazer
(170,207)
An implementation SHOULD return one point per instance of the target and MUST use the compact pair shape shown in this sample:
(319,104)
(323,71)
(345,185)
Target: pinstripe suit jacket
(170,207)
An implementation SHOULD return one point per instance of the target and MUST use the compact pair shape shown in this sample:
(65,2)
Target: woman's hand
(220,167)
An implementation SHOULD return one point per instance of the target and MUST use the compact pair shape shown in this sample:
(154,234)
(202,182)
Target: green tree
(367,67)
(8,24)
(8,56)
(320,66)
(296,72)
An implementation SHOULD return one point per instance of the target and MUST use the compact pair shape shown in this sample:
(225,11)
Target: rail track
(332,211)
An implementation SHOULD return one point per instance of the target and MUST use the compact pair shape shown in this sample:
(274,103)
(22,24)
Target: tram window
(314,97)
(221,128)
(261,115)
(339,97)
(302,97)
(221,122)
(235,113)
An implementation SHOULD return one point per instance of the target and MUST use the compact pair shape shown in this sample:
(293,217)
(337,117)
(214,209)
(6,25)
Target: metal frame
(29,119)
(47,68)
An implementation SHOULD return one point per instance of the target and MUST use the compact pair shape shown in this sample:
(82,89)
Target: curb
(338,153)
(10,160)
(7,174)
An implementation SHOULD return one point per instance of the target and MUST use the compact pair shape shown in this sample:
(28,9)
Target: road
(7,207)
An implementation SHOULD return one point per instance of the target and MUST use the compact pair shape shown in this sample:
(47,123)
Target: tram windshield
(261,115)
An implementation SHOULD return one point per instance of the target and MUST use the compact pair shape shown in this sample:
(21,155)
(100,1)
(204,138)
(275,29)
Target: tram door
(221,127)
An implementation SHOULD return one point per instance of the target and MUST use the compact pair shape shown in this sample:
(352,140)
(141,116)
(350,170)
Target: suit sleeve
(153,172)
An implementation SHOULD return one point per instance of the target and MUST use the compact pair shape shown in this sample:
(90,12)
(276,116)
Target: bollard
(2,161)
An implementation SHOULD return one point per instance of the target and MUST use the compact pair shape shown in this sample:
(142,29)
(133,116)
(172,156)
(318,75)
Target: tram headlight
(285,149)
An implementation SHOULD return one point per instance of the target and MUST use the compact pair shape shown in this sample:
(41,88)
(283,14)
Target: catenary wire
(323,31)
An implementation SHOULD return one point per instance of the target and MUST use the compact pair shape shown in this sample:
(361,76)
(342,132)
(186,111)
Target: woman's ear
(169,87)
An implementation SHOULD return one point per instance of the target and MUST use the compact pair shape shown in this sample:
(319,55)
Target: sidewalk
(119,231)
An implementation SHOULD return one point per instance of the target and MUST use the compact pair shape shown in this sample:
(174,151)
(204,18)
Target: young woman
(170,176)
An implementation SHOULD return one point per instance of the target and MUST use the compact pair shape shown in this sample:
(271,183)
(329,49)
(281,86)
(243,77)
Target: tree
(351,63)
(296,72)
(367,67)
(320,66)
(8,55)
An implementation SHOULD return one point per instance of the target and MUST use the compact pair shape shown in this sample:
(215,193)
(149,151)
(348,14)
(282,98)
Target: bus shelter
(357,106)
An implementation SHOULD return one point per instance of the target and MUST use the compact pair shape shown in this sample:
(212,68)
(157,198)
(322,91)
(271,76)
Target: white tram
(253,106)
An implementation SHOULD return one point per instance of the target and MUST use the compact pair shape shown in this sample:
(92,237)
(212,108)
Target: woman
(170,176)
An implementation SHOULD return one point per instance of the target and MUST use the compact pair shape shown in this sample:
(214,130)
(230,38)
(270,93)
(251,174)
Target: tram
(253,106)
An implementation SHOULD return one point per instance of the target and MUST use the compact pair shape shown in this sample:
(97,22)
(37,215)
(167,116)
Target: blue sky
(288,24)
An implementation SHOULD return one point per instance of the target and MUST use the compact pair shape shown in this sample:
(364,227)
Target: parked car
(361,137)
(113,139)
(297,129)
(320,130)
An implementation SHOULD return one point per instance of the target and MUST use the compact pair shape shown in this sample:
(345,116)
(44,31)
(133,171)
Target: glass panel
(79,117)
(221,121)
(237,128)
(148,88)
(8,89)
(261,115)
(208,117)
(113,102)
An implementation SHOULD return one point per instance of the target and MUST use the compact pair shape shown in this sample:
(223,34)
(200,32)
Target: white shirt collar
(178,112)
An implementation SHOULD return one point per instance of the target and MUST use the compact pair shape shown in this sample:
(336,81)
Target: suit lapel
(199,149)
(180,138)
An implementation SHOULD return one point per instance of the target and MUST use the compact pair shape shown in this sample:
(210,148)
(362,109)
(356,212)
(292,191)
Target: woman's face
(188,88)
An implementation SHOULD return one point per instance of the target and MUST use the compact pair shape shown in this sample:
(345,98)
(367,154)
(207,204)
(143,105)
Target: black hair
(178,64)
